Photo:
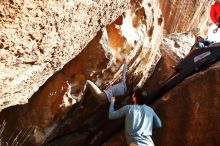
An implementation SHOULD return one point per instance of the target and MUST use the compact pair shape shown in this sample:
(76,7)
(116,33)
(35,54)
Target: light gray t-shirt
(139,120)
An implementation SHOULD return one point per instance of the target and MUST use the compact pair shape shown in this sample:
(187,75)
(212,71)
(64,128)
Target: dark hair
(141,96)
(201,37)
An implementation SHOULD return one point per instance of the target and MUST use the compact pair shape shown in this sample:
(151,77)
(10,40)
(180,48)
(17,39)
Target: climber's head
(139,97)
(199,38)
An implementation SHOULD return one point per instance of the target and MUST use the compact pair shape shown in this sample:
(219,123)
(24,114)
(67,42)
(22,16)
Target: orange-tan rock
(48,50)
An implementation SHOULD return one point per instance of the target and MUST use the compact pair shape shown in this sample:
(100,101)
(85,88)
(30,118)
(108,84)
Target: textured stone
(100,61)
(190,112)
(178,44)
(184,15)
(32,46)
(39,37)
(137,38)
(53,47)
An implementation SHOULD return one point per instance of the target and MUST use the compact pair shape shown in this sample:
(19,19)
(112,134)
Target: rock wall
(170,57)
(184,15)
(37,38)
(100,61)
(189,112)
(186,113)
(195,120)
(55,56)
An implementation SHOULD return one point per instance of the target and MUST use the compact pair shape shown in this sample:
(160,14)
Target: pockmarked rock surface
(100,61)
(53,47)
(37,38)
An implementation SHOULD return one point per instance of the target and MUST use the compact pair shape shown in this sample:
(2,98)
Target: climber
(215,14)
(201,42)
(117,90)
(139,119)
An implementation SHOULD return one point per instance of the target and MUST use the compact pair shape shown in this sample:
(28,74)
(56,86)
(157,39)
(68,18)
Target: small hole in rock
(160,20)
(150,32)
(1,45)
(6,48)
(176,45)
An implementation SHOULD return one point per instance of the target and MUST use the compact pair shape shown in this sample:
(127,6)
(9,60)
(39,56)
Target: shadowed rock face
(195,120)
(189,112)
(59,54)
